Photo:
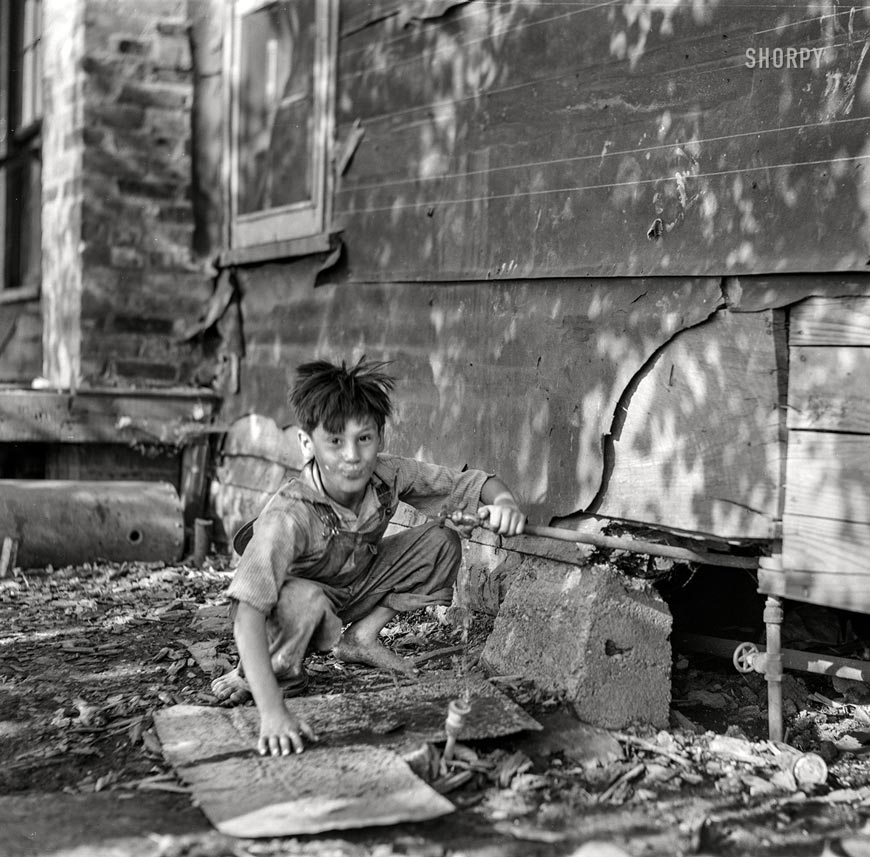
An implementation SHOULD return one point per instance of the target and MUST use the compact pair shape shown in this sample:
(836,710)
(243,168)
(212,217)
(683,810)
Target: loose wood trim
(8,555)
(19,296)
(276,250)
(28,415)
(194,483)
(831,321)
(847,592)
(644,547)
(816,544)
(828,389)
(828,476)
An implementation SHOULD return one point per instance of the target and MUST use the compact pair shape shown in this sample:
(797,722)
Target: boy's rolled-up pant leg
(413,569)
(303,617)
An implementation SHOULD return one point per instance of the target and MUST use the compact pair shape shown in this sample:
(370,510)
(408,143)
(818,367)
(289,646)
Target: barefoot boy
(315,560)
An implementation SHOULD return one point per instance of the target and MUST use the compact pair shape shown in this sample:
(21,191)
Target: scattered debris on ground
(89,655)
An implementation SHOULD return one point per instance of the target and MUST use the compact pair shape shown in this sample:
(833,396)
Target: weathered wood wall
(826,521)
(531,139)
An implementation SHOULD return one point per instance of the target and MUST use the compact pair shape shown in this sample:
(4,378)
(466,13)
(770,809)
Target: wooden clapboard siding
(829,388)
(830,589)
(533,140)
(819,544)
(828,476)
(831,321)
(826,521)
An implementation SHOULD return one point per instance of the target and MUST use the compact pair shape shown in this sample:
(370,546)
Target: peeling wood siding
(706,402)
(531,140)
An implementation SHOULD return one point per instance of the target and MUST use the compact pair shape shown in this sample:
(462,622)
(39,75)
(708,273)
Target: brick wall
(127,282)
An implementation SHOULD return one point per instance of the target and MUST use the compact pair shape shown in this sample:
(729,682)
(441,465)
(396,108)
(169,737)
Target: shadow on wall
(522,139)
(526,378)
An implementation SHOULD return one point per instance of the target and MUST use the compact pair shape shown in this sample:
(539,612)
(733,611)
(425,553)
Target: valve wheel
(744,656)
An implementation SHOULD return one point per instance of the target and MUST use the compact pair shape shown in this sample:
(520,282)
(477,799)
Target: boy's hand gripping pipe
(464,519)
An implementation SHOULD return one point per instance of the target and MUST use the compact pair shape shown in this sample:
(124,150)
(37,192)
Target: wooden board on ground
(353,777)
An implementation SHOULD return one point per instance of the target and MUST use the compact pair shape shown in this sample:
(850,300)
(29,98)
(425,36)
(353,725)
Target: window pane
(275,103)
(30,63)
(23,251)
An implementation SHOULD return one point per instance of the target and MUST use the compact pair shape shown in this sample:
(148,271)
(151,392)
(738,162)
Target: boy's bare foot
(374,654)
(231,688)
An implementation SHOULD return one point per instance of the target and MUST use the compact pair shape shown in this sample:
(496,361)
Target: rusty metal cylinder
(68,522)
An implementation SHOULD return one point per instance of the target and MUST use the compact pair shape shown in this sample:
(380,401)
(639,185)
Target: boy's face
(346,460)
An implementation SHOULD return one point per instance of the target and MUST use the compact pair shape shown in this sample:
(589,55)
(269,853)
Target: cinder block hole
(611,648)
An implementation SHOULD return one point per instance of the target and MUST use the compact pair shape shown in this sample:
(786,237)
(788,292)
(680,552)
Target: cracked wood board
(353,777)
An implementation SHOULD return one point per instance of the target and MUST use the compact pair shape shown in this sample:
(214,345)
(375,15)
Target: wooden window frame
(302,227)
(21,105)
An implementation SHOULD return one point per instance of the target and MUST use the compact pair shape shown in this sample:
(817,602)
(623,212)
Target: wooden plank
(817,544)
(193,490)
(708,402)
(828,476)
(831,321)
(322,243)
(115,461)
(324,789)
(752,293)
(844,591)
(93,416)
(828,388)
(352,777)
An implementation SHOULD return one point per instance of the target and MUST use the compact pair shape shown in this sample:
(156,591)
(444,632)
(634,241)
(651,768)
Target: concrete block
(588,632)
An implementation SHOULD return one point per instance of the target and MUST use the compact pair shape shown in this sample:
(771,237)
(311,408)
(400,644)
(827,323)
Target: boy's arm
(279,730)
(499,508)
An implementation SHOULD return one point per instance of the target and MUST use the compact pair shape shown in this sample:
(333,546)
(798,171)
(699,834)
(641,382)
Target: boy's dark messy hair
(329,395)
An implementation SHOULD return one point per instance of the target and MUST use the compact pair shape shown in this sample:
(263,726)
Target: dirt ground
(88,654)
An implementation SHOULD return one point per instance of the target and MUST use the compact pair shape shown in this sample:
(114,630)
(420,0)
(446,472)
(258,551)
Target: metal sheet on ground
(353,776)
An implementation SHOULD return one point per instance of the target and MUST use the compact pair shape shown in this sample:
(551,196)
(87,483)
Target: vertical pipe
(773,666)
(201,540)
